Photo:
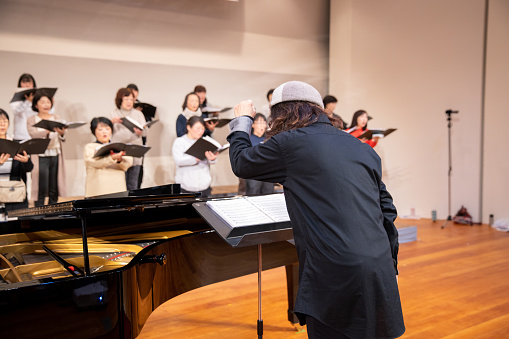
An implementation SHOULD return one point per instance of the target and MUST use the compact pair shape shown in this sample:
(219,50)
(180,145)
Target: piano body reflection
(97,268)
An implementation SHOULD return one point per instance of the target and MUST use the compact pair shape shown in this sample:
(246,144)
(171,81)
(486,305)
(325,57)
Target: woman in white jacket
(192,174)
(22,110)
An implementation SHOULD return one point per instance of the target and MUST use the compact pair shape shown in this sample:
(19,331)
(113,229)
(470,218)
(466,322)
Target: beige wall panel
(406,62)
(496,155)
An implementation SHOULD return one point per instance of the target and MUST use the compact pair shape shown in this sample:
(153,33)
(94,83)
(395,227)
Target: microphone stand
(449,172)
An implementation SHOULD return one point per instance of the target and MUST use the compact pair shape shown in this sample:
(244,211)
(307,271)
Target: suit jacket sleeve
(389,215)
(263,162)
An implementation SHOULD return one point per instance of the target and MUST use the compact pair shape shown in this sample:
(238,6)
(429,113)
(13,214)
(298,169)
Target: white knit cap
(296,91)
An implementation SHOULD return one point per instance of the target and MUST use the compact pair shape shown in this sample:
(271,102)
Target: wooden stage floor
(453,284)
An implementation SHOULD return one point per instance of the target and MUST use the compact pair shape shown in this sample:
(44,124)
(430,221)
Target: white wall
(406,62)
(89,49)
(496,164)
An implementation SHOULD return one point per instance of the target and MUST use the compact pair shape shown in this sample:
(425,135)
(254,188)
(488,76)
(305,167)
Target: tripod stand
(449,172)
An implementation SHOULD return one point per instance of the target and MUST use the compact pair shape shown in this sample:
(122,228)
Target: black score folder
(213,115)
(220,122)
(376,133)
(130,123)
(51,124)
(205,144)
(20,95)
(31,146)
(246,221)
(131,150)
(151,122)
(210,109)
(146,109)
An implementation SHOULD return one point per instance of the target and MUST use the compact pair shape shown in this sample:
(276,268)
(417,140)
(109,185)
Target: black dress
(343,224)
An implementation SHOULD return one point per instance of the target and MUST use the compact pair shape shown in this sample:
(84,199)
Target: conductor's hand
(245,108)
(22,157)
(4,157)
(211,156)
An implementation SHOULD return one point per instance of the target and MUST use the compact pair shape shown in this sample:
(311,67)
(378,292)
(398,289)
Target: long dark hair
(356,116)
(290,115)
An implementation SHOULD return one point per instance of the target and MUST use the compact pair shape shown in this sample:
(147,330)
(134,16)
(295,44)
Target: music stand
(449,125)
(255,235)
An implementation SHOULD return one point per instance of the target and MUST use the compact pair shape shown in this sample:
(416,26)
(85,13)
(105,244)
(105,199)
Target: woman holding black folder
(192,174)
(48,175)
(22,110)
(13,167)
(124,101)
(105,175)
(359,126)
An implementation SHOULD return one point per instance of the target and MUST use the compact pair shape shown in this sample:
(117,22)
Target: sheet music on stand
(245,221)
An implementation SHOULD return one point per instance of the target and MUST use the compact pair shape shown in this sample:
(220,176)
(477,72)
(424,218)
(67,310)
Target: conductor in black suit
(342,215)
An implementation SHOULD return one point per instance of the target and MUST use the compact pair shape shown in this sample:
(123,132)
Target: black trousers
(48,180)
(132,177)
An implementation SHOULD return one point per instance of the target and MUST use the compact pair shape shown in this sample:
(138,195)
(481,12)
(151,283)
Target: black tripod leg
(446,221)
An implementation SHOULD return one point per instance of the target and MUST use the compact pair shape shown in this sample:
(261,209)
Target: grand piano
(97,268)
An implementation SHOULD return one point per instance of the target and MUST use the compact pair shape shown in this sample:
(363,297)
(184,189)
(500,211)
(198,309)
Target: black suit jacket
(343,224)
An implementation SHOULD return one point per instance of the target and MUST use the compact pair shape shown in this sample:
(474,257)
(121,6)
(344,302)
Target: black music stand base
(259,324)
(282,232)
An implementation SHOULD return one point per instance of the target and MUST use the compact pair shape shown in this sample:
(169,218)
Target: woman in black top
(13,168)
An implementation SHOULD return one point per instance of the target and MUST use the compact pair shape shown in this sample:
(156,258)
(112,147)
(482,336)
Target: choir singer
(105,174)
